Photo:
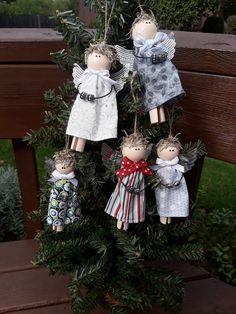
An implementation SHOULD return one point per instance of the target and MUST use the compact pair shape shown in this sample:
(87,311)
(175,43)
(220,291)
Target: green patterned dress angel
(64,201)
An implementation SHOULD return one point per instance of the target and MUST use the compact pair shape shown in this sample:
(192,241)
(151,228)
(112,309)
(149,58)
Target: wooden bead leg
(153,114)
(74,143)
(59,228)
(161,114)
(119,224)
(126,226)
(78,144)
(164,220)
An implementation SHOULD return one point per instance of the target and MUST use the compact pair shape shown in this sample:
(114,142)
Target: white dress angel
(94,114)
(172,196)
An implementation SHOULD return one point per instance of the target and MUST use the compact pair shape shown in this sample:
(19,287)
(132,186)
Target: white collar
(170,163)
(103,74)
(57,175)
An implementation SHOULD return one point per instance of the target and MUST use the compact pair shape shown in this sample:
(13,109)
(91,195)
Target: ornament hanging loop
(108,19)
(135,99)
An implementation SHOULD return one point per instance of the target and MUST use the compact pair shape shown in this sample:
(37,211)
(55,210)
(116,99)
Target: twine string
(108,20)
(135,99)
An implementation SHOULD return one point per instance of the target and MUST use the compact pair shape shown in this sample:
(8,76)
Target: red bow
(129,166)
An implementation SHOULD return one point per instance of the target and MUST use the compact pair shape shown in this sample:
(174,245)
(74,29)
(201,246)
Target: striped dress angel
(127,202)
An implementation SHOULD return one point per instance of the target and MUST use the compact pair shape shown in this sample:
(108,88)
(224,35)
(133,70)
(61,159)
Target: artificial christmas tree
(116,267)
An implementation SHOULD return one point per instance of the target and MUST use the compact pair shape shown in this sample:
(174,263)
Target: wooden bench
(207,64)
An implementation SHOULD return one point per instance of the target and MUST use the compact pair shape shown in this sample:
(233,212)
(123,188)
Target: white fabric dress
(94,120)
(172,197)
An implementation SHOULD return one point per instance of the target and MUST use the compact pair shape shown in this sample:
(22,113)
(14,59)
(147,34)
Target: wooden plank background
(207,64)
(27,289)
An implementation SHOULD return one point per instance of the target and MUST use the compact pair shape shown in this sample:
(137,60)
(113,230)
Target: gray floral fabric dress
(157,73)
(64,202)
(172,197)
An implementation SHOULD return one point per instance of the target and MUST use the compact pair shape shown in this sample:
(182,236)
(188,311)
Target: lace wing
(170,44)
(188,159)
(125,56)
(110,157)
(77,73)
(49,166)
(120,77)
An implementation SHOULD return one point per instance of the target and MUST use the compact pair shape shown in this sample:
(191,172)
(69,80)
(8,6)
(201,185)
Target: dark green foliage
(11,215)
(183,15)
(42,7)
(119,270)
(217,233)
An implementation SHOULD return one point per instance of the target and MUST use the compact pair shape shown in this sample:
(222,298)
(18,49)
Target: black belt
(131,189)
(91,97)
(172,185)
(155,58)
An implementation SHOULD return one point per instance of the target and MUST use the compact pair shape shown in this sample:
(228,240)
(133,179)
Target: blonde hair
(102,48)
(143,16)
(134,139)
(169,141)
(65,156)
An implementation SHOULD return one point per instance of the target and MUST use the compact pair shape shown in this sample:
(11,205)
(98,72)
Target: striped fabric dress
(127,202)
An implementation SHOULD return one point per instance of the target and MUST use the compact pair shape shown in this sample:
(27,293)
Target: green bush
(182,15)
(42,7)
(11,218)
(217,233)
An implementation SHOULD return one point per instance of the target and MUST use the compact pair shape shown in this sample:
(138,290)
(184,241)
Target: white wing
(77,72)
(120,77)
(125,56)
(170,44)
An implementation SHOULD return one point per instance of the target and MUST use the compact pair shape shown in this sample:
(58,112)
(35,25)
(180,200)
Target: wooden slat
(188,272)
(209,296)
(27,175)
(54,309)
(212,53)
(28,45)
(21,96)
(31,289)
(209,113)
(17,255)
(209,53)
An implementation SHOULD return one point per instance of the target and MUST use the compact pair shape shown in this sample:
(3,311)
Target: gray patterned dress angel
(172,198)
(94,114)
(64,201)
(153,53)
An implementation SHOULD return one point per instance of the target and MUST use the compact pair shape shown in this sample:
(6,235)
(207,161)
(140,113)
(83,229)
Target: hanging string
(105,16)
(107,22)
(135,99)
(140,7)
(67,142)
(170,114)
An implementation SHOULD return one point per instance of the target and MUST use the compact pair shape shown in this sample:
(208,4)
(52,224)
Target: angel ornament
(172,196)
(153,53)
(94,114)
(64,202)
(127,202)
